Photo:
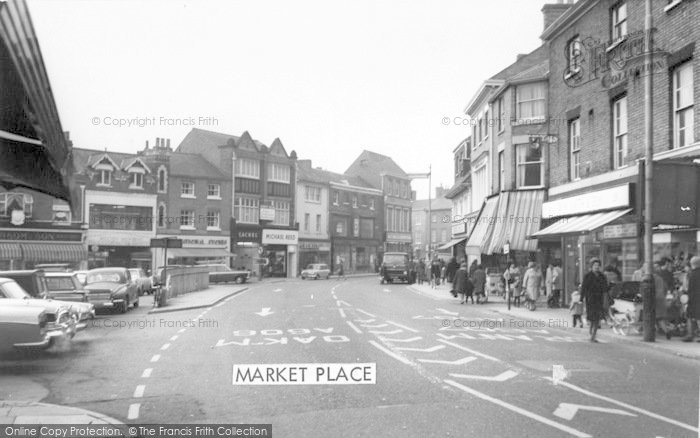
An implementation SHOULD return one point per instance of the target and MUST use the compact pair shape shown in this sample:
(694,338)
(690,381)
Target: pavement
(200,299)
(498,305)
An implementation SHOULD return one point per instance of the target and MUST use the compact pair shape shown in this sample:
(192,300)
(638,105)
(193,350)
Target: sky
(329,78)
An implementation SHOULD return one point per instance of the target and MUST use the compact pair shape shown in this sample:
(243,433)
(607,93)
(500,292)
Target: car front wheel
(125,305)
(136,303)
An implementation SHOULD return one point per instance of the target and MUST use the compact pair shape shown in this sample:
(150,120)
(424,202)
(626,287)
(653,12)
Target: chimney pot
(552,11)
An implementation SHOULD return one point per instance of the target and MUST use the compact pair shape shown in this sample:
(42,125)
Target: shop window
(620,132)
(683,102)
(530,165)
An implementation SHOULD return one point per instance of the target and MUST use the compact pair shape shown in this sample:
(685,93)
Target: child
(576,307)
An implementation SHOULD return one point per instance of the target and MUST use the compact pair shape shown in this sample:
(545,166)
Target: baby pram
(675,323)
(626,309)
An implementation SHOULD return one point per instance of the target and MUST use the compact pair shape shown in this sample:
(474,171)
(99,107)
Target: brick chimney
(552,11)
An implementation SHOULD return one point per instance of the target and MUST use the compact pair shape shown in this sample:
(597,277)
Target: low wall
(181,280)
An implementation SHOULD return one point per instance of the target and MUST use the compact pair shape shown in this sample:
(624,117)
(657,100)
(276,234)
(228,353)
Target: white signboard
(190,241)
(267,214)
(280,237)
(614,197)
(119,238)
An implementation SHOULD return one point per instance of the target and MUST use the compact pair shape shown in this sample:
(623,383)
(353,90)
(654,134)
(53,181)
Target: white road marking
(402,326)
(627,406)
(469,350)
(155,358)
(365,320)
(392,354)
(344,302)
(165,347)
(375,325)
(342,313)
(464,360)
(423,350)
(367,313)
(182,330)
(392,332)
(518,410)
(146,373)
(352,326)
(133,411)
(447,312)
(265,312)
(138,393)
(387,290)
(509,374)
(277,290)
(174,338)
(417,338)
(568,411)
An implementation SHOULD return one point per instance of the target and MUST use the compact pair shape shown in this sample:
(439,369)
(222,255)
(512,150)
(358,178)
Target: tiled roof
(539,71)
(322,176)
(206,138)
(435,204)
(524,63)
(369,165)
(83,158)
(193,165)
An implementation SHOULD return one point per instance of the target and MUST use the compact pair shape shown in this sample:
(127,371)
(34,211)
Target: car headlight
(405,273)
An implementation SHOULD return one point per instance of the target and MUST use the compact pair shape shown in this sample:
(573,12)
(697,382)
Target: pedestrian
(463,285)
(421,271)
(452,268)
(512,279)
(548,279)
(612,272)
(341,270)
(411,271)
(693,298)
(428,272)
(479,280)
(664,268)
(443,269)
(532,283)
(472,268)
(557,283)
(576,307)
(435,273)
(593,289)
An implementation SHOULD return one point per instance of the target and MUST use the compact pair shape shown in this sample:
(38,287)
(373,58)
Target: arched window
(162,176)
(161,216)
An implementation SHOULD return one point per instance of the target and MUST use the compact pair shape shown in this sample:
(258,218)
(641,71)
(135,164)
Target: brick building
(312,200)
(432,225)
(264,233)
(463,218)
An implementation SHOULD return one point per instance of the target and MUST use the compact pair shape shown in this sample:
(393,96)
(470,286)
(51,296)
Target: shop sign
(40,235)
(459,228)
(619,231)
(314,246)
(398,237)
(280,237)
(119,238)
(356,227)
(267,214)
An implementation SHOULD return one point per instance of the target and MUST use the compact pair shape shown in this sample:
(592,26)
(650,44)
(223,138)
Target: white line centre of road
(625,405)
(138,393)
(518,410)
(174,338)
(469,350)
(133,411)
(146,373)
(352,326)
(165,347)
(342,313)
(155,358)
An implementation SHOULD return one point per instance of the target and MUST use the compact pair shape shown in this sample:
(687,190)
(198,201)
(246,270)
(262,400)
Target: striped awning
(452,243)
(54,252)
(481,234)
(10,251)
(520,214)
(580,224)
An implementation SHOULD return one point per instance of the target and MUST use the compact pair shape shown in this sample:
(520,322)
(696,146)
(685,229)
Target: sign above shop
(166,242)
(119,238)
(619,231)
(40,235)
(280,237)
(267,214)
(315,246)
(398,237)
(606,199)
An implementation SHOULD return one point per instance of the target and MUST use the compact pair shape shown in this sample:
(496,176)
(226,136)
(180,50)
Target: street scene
(349,219)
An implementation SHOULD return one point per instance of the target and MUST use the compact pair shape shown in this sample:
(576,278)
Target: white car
(316,271)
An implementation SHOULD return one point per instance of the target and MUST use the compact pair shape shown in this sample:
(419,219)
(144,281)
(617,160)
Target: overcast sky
(329,78)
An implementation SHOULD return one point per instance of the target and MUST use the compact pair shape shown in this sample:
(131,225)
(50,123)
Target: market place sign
(613,62)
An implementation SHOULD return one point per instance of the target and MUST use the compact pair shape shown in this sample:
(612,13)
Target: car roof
(116,268)
(24,273)
(60,274)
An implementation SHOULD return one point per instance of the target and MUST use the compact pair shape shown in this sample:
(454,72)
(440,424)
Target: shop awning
(452,243)
(10,251)
(54,252)
(519,214)
(580,224)
(481,234)
(198,252)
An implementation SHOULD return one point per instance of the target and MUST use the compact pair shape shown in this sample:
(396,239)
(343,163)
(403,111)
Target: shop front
(356,255)
(122,248)
(279,251)
(25,249)
(196,250)
(246,247)
(313,251)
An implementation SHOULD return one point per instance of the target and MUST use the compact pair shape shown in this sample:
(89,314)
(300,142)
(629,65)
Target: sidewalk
(199,299)
(564,321)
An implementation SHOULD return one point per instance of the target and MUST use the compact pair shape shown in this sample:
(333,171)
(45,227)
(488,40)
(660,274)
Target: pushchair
(626,308)
(675,323)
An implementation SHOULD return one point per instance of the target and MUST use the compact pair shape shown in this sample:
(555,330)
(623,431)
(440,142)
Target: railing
(181,280)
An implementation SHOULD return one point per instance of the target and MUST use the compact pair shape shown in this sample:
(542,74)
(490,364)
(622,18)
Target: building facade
(312,200)
(432,226)
(264,233)
(463,214)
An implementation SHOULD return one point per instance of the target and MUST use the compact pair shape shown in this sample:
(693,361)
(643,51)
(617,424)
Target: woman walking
(594,289)
(462,284)
(532,282)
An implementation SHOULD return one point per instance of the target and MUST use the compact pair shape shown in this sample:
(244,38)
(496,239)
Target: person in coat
(512,279)
(421,271)
(479,280)
(452,268)
(532,281)
(594,289)
(463,284)
(693,298)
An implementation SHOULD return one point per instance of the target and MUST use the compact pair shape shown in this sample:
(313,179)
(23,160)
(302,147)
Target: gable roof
(369,165)
(194,166)
(129,162)
(202,137)
(321,176)
(83,158)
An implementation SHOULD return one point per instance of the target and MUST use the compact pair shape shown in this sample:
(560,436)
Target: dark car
(224,274)
(395,268)
(111,288)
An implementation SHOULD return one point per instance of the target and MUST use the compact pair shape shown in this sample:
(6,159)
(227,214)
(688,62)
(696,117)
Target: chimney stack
(552,11)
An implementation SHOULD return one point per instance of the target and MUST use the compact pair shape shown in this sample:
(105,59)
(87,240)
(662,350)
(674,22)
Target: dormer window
(105,178)
(135,180)
(104,168)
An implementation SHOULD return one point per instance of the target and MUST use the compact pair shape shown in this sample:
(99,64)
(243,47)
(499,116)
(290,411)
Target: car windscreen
(13,290)
(310,267)
(60,283)
(134,273)
(105,276)
(395,259)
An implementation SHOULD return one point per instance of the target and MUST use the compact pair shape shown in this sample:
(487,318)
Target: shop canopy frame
(582,224)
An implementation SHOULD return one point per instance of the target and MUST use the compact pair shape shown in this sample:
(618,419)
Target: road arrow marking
(375,325)
(568,411)
(462,361)
(422,350)
(345,303)
(265,311)
(499,378)
(393,332)
(417,338)
(223,343)
(447,312)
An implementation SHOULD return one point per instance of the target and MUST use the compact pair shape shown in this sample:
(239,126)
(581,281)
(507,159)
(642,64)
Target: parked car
(394,267)
(65,286)
(316,271)
(24,329)
(224,274)
(54,267)
(59,321)
(143,281)
(82,277)
(111,288)
(35,285)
